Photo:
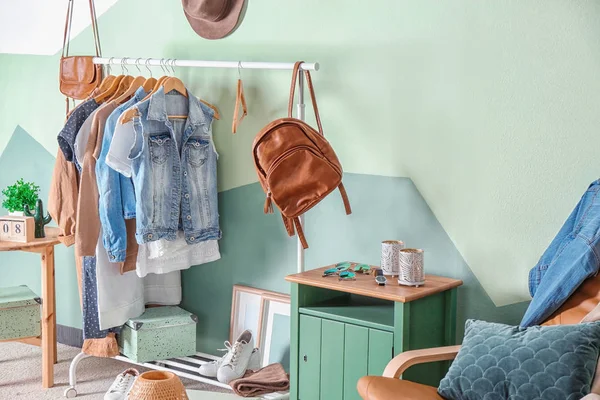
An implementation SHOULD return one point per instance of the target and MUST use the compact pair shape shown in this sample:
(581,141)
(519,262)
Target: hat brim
(219,29)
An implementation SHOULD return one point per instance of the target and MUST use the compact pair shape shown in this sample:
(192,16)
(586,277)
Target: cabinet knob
(305,358)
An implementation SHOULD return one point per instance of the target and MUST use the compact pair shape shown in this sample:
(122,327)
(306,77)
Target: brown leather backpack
(296,165)
(78,75)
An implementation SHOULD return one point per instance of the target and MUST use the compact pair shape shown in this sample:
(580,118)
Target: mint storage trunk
(158,334)
(20,314)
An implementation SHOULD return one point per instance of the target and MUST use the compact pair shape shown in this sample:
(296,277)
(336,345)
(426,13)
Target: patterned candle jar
(411,267)
(389,256)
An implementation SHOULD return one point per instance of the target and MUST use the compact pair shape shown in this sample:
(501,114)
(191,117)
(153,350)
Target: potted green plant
(18,195)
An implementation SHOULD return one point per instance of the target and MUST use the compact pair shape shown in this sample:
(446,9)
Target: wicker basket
(157,385)
(411,267)
(389,256)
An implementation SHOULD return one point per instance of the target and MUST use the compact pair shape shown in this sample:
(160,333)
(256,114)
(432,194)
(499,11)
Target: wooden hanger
(240,99)
(132,112)
(114,85)
(123,86)
(149,84)
(216,115)
(106,83)
(135,85)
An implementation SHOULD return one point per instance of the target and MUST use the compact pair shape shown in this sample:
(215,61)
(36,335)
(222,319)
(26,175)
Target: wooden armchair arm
(403,361)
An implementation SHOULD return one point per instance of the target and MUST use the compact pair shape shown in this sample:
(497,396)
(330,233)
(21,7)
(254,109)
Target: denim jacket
(572,257)
(117,197)
(174,169)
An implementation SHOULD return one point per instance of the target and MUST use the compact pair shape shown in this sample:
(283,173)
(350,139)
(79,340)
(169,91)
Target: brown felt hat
(213,19)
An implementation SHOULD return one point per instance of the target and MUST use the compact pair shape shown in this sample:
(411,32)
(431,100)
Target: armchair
(388,386)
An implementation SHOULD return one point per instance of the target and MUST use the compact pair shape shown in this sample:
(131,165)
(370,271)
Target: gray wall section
(255,248)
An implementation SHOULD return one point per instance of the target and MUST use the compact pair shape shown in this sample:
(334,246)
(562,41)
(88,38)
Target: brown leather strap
(311,90)
(300,233)
(69,22)
(240,98)
(289,225)
(345,199)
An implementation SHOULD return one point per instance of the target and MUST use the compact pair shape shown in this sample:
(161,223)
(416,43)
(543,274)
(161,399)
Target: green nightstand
(343,330)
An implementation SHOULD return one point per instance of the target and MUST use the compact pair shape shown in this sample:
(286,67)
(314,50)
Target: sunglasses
(362,268)
(341,267)
(347,276)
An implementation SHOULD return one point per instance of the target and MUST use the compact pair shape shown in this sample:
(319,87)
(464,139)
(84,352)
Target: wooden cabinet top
(35,245)
(365,285)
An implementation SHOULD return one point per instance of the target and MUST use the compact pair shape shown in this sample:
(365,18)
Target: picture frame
(260,311)
(276,318)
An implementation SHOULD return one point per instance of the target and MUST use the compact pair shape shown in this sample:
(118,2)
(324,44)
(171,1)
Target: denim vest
(116,193)
(174,169)
(572,257)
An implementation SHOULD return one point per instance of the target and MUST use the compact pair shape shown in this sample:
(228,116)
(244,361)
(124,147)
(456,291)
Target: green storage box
(20,313)
(159,333)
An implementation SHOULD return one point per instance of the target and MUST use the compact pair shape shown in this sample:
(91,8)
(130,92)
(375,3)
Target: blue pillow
(498,361)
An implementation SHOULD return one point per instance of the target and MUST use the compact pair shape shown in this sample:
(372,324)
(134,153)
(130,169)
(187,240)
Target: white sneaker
(210,369)
(237,359)
(122,385)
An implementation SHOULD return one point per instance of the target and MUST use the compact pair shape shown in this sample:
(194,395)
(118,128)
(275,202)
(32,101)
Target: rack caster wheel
(70,393)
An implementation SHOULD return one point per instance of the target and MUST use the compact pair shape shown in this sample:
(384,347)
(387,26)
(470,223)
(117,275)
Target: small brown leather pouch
(79,76)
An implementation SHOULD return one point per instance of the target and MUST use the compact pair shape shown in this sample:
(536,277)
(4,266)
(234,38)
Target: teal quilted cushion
(498,361)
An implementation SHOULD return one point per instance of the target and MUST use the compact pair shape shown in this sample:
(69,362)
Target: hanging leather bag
(296,165)
(79,76)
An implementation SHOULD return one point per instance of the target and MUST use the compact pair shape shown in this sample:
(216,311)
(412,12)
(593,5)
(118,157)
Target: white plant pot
(17,213)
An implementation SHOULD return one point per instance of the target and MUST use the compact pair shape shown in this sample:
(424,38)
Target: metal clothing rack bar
(177,365)
(171,62)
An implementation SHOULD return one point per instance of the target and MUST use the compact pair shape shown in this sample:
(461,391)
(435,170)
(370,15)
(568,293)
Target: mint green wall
(490,108)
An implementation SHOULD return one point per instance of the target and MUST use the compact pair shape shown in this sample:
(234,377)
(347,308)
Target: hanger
(106,83)
(150,82)
(176,84)
(112,88)
(239,98)
(135,84)
(216,115)
(132,112)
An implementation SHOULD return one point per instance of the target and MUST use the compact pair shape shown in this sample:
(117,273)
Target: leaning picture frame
(262,311)
(275,348)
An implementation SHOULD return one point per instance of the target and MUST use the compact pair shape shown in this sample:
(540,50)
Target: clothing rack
(182,366)
(172,62)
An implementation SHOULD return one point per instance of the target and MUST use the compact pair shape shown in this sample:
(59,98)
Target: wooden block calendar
(17,229)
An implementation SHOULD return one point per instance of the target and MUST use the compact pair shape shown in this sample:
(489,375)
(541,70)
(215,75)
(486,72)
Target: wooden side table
(47,341)
(343,330)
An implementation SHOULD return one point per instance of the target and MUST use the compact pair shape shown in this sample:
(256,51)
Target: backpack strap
(300,233)
(312,94)
(289,225)
(345,199)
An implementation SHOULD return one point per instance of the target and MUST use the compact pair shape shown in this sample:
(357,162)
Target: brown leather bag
(79,76)
(296,165)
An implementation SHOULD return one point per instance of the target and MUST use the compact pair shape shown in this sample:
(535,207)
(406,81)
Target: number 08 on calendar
(17,229)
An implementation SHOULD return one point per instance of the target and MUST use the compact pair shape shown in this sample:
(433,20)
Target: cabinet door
(309,360)
(356,359)
(332,361)
(381,346)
